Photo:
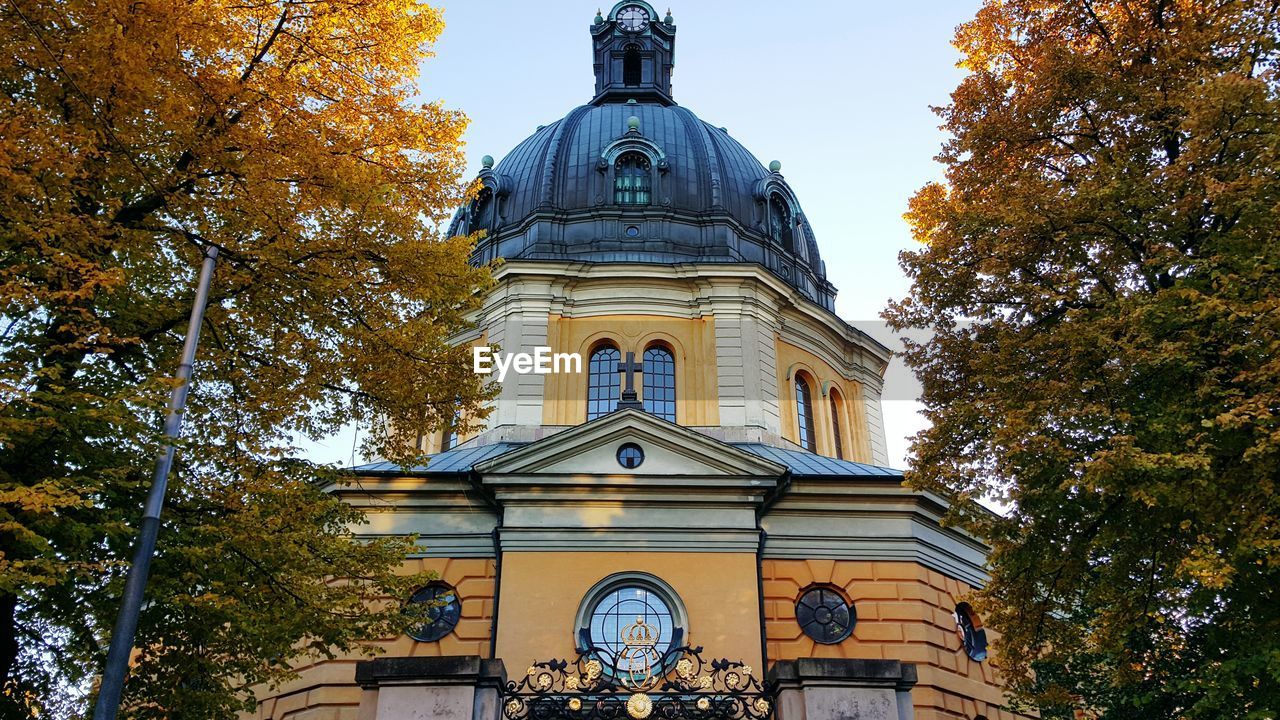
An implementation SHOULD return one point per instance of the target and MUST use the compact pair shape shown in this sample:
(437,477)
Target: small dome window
(440,608)
(482,211)
(632,180)
(780,223)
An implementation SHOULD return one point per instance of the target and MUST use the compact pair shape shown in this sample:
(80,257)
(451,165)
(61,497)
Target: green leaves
(132,135)
(1099,269)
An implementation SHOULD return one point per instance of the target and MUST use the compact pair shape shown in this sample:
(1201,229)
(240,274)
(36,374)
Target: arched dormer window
(837,405)
(660,383)
(482,211)
(631,66)
(804,415)
(780,223)
(602,382)
(632,180)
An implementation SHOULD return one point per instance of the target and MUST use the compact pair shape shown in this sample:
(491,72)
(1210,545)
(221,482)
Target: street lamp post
(117,665)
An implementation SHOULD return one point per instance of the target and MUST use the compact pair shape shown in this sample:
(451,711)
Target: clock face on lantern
(633,18)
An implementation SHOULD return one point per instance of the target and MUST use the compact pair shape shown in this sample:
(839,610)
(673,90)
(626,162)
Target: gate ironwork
(638,682)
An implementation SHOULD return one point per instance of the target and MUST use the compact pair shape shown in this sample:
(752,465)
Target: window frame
(806,430)
(630,196)
(647,386)
(603,588)
(615,395)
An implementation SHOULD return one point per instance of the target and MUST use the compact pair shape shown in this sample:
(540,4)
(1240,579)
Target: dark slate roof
(458,460)
(805,463)
(554,201)
(461,460)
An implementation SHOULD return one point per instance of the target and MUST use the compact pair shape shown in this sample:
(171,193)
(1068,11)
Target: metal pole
(117,666)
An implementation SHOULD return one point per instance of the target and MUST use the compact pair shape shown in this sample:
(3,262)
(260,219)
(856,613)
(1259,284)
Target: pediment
(669,451)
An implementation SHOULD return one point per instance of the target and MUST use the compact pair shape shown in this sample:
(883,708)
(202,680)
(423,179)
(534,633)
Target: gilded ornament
(639,706)
(705,682)
(594,668)
(571,682)
(704,704)
(684,668)
(746,669)
(531,671)
(544,681)
(762,706)
(732,679)
(575,704)
(513,708)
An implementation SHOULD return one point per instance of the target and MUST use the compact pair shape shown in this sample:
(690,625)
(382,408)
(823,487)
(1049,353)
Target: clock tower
(634,53)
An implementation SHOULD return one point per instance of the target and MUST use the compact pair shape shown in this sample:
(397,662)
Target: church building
(699,523)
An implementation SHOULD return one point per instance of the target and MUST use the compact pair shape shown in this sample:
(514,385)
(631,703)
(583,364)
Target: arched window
(482,211)
(632,180)
(780,223)
(660,383)
(631,66)
(804,414)
(836,404)
(449,433)
(972,636)
(602,382)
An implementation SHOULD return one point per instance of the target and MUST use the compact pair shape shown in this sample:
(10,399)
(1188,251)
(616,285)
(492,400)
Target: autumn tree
(1101,272)
(134,137)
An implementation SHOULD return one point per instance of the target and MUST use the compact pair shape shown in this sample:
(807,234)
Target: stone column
(460,687)
(839,689)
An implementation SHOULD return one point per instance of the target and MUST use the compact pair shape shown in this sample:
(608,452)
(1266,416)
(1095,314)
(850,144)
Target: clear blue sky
(839,92)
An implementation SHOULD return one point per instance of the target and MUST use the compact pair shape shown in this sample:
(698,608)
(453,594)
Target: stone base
(839,689)
(461,687)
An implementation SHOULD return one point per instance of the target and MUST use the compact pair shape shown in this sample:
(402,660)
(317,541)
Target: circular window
(825,616)
(972,636)
(633,231)
(443,609)
(630,456)
(629,606)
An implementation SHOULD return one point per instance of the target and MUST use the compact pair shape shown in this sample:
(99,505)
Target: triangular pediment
(669,451)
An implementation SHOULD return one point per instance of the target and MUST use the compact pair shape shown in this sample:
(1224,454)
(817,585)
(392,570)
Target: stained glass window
(804,415)
(660,383)
(632,182)
(603,382)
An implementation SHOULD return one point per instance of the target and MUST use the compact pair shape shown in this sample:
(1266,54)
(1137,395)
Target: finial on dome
(774,166)
(668,19)
(487,162)
(631,101)
(599,17)
(633,124)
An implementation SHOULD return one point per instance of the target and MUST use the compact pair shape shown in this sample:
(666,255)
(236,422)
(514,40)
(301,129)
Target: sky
(838,92)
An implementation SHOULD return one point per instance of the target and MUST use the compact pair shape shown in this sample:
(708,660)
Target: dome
(633,177)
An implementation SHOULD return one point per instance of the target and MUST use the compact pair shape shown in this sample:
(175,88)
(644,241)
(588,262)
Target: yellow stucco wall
(326,690)
(855,439)
(692,342)
(541,593)
(904,612)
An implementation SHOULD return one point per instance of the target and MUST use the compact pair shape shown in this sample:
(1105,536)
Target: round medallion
(639,706)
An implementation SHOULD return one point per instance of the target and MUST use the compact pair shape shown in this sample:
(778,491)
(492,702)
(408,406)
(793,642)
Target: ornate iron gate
(638,682)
